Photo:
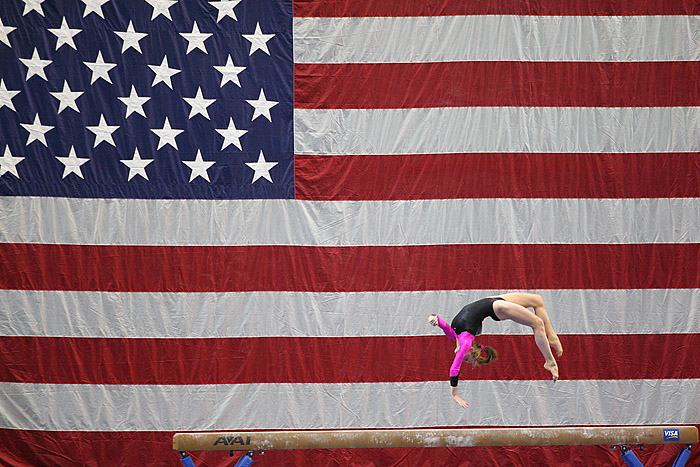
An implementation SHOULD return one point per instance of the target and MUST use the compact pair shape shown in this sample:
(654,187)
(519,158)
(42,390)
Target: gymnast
(467,324)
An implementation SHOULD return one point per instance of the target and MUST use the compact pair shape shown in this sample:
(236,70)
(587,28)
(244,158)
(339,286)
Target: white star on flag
(64,35)
(199,167)
(35,66)
(6,96)
(199,104)
(100,69)
(225,9)
(72,163)
(231,135)
(67,98)
(94,6)
(262,106)
(34,5)
(134,103)
(258,40)
(229,72)
(4,31)
(166,134)
(37,131)
(103,132)
(131,38)
(195,39)
(163,73)
(8,163)
(261,168)
(137,166)
(161,7)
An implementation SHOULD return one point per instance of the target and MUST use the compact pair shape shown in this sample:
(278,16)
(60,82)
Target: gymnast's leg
(510,310)
(531,300)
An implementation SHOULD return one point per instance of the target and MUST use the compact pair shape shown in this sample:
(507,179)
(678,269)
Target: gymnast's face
(472,355)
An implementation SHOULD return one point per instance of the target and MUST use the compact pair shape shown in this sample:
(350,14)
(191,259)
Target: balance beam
(430,438)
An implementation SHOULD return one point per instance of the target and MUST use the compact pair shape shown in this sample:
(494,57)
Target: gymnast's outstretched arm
(464,341)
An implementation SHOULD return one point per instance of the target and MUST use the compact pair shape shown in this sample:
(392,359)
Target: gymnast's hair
(489,354)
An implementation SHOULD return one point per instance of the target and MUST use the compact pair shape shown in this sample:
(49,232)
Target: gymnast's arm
(465,340)
(435,320)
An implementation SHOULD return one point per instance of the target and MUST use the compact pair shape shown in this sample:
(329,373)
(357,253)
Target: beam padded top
(330,439)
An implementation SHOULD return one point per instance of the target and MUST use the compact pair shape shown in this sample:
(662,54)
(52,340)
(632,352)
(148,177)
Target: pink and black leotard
(465,326)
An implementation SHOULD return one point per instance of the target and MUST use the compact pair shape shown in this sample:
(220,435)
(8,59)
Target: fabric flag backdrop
(238,215)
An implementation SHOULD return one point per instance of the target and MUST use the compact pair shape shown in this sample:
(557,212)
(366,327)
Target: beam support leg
(630,457)
(245,461)
(682,457)
(186,459)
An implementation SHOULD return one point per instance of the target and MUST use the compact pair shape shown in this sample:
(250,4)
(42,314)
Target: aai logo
(671,435)
(227,440)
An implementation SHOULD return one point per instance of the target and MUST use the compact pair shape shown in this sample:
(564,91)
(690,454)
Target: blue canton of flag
(146,98)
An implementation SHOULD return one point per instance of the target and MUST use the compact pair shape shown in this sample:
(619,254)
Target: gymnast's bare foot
(556,345)
(552,368)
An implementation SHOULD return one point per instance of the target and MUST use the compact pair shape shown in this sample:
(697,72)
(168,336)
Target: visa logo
(671,435)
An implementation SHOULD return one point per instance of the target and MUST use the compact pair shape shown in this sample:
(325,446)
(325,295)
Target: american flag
(221,215)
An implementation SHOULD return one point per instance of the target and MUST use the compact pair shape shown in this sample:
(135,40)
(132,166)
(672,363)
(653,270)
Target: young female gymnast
(467,324)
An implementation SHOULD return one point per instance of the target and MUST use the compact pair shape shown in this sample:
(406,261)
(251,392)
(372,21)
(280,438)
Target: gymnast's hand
(460,401)
(432,319)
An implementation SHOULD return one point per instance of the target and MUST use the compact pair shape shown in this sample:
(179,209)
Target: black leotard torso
(470,317)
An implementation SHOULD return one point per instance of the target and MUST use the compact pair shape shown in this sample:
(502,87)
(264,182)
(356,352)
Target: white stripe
(348,223)
(496,129)
(334,406)
(307,314)
(502,37)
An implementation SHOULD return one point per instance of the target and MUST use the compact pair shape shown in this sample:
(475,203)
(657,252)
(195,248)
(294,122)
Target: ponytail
(490,353)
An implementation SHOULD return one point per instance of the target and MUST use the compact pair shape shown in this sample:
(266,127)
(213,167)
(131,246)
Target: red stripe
(322,8)
(497,175)
(464,84)
(335,360)
(71,448)
(28,266)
